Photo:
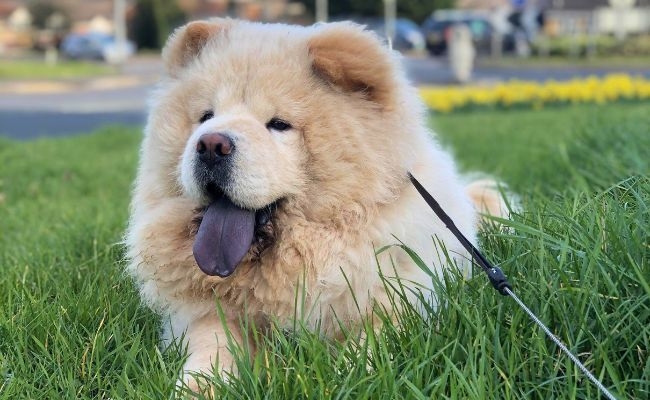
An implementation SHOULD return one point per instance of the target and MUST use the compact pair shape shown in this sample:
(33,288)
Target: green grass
(38,69)
(71,325)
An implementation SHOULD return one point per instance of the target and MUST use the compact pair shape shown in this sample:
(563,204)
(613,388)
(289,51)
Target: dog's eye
(277,124)
(206,116)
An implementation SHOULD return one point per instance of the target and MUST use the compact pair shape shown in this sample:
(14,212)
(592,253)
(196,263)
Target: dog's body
(308,131)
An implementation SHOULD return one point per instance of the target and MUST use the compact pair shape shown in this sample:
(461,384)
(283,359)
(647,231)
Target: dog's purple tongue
(224,236)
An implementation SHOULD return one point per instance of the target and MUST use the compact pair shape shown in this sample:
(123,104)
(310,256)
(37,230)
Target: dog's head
(252,117)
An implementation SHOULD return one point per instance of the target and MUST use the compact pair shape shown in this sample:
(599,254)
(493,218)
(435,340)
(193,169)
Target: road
(28,113)
(430,71)
(32,124)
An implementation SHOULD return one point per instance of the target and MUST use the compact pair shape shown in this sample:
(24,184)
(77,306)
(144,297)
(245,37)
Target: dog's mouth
(227,232)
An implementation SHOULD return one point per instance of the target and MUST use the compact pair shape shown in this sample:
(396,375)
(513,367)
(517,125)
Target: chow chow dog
(274,164)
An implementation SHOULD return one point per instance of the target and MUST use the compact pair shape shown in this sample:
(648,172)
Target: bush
(583,45)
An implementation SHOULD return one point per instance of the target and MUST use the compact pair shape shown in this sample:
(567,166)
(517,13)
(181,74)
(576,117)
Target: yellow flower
(536,95)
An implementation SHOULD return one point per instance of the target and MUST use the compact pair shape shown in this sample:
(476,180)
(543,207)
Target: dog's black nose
(212,147)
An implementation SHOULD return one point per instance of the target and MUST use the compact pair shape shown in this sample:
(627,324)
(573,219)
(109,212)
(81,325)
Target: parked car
(408,36)
(92,46)
(436,30)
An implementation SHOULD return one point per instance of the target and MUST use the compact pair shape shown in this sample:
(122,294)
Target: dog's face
(243,131)
(255,117)
(222,154)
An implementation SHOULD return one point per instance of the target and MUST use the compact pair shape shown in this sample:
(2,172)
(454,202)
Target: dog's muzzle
(226,231)
(214,154)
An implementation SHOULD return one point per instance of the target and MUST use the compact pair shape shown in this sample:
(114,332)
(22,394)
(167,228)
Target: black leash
(499,280)
(496,276)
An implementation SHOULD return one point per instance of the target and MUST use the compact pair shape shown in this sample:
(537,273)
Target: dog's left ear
(355,60)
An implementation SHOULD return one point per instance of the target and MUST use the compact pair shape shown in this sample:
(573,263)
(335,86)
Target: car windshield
(478,27)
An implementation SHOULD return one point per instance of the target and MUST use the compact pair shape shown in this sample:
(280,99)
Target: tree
(42,10)
(153,21)
(419,10)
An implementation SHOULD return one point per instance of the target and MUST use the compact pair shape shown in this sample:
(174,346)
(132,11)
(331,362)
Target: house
(577,17)
(597,17)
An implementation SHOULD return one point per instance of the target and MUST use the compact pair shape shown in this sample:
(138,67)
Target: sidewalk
(68,85)
(126,91)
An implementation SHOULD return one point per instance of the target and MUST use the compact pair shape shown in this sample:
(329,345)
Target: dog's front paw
(196,380)
(191,385)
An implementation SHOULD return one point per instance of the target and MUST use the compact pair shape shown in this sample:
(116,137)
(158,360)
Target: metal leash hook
(500,281)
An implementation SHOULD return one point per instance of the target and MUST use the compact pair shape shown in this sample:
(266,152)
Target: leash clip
(499,280)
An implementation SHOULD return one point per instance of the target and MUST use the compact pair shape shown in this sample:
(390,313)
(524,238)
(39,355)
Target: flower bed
(513,94)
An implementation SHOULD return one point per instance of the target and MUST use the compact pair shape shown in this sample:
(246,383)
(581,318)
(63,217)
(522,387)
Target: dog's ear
(355,60)
(186,43)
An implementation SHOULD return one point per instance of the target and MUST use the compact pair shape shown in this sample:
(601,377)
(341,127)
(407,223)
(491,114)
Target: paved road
(31,111)
(430,71)
(26,114)
(27,125)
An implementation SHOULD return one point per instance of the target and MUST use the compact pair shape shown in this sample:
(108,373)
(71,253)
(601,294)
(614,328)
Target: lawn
(38,69)
(579,255)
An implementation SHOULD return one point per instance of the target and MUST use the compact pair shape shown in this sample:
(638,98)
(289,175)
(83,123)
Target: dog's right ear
(186,43)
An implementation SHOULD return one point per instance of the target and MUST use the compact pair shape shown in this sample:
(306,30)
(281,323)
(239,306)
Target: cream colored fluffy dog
(274,164)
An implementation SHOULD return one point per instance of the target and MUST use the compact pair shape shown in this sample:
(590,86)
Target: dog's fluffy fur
(337,179)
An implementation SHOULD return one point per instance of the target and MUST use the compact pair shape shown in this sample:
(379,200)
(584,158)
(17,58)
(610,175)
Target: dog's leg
(208,339)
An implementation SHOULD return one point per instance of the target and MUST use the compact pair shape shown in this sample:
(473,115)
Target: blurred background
(69,66)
